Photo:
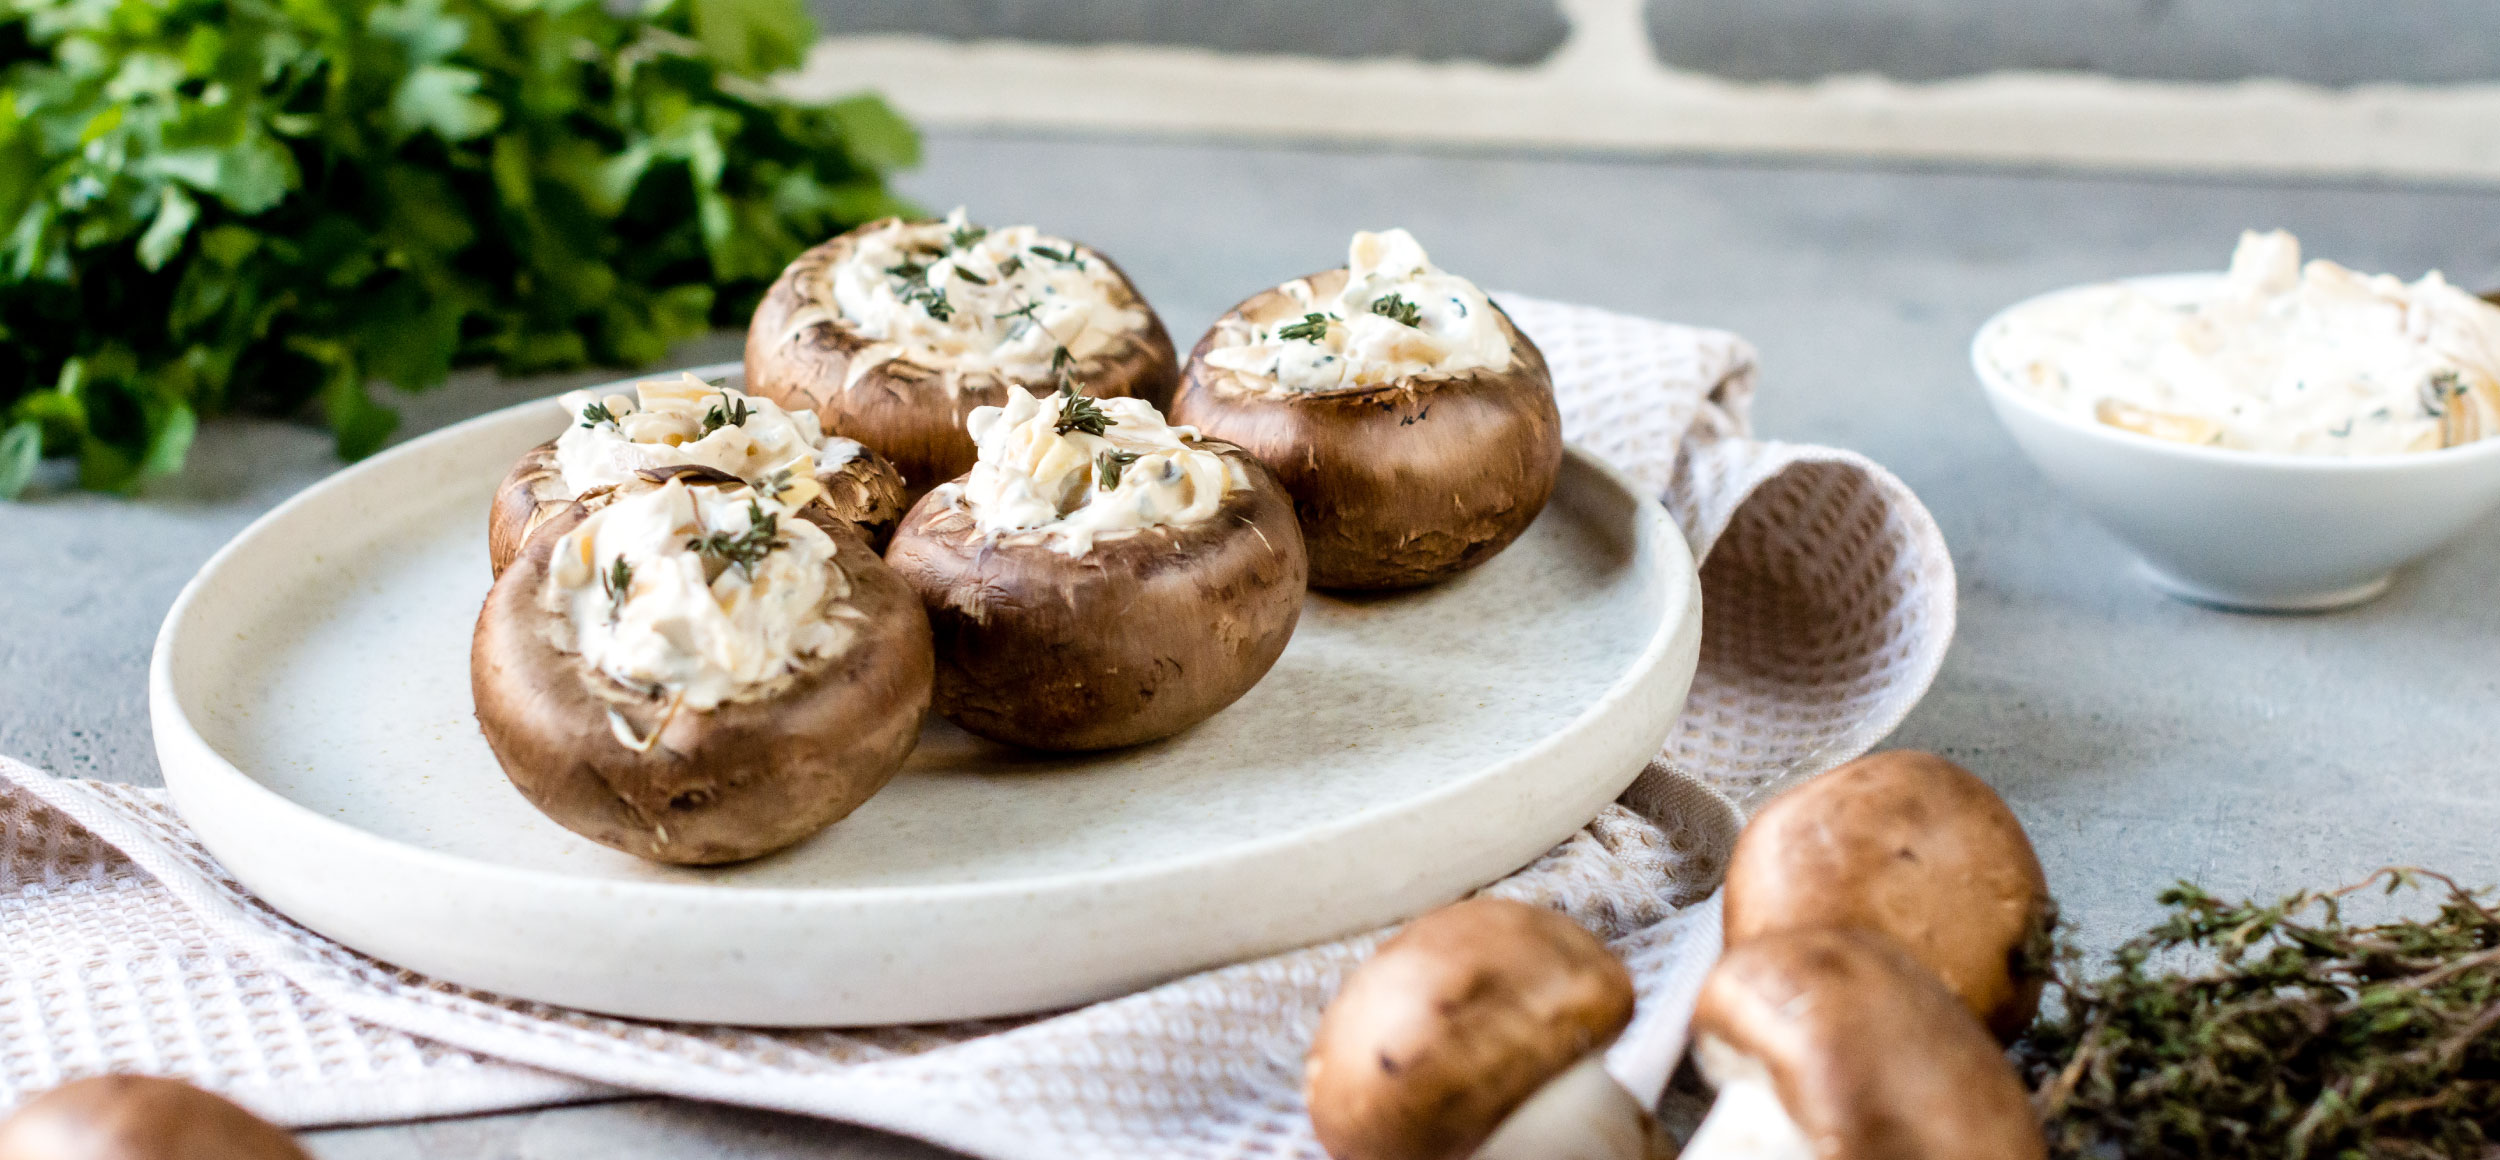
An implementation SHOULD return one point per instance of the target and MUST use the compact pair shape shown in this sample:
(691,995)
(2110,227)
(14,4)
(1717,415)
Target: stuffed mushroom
(662,425)
(895,332)
(1100,578)
(698,671)
(1413,424)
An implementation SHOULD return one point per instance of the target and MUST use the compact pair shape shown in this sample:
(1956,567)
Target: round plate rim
(192,766)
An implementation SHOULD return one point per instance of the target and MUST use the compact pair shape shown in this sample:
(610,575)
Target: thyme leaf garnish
(916,288)
(1399,310)
(1067,257)
(728,412)
(2280,1030)
(617,582)
(962,237)
(1008,266)
(971,277)
(743,550)
(1108,465)
(598,413)
(1078,412)
(1025,318)
(1312,328)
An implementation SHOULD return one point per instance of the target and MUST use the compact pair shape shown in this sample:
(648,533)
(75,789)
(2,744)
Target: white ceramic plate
(310,694)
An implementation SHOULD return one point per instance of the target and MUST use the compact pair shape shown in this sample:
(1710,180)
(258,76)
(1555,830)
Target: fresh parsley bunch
(257,204)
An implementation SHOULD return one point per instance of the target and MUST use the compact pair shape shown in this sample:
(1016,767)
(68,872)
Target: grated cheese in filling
(689,421)
(1042,472)
(697,593)
(1397,317)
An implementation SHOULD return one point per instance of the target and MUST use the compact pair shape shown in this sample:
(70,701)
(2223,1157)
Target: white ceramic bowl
(2244,529)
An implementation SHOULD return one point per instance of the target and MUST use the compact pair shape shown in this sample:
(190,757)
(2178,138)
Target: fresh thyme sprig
(598,413)
(916,288)
(1109,465)
(743,550)
(1079,413)
(2296,1034)
(963,237)
(1397,309)
(1312,328)
(729,412)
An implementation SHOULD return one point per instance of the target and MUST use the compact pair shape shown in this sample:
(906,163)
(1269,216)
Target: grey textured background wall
(1501,31)
(2335,42)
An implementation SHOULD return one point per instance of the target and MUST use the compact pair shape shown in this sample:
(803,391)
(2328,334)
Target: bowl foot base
(2229,601)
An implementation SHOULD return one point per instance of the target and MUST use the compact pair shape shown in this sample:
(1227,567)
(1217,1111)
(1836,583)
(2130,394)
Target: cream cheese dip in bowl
(2275,438)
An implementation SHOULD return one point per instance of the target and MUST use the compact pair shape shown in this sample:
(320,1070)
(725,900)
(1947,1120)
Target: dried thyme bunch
(2296,1035)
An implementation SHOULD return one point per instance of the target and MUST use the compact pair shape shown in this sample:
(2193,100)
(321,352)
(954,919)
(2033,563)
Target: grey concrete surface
(2333,42)
(2139,739)
(1500,31)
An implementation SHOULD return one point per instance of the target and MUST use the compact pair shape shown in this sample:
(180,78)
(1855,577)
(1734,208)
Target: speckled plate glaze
(310,694)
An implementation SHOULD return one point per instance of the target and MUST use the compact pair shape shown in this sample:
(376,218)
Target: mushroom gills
(1747,1120)
(1583,1114)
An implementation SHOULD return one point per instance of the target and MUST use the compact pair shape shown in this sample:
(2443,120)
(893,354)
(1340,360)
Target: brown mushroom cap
(1870,1055)
(742,780)
(531,494)
(1913,846)
(865,493)
(1400,484)
(136,1117)
(1141,637)
(1453,1024)
(908,412)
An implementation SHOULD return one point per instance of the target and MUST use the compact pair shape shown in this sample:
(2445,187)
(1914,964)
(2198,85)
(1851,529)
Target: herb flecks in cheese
(699,594)
(1121,471)
(1398,316)
(2273,357)
(1008,303)
(689,421)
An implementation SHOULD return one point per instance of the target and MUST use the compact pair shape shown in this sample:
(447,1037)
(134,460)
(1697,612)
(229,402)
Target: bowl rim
(1999,389)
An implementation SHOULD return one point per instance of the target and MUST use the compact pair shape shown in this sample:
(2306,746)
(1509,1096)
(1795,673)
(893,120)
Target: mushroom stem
(1582,1114)
(1747,1120)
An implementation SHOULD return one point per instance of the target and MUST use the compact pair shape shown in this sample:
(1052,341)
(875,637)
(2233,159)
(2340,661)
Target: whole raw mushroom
(134,1117)
(1914,847)
(1834,1044)
(1479,1031)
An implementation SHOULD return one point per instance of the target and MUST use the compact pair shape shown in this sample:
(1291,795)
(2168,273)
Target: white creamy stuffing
(689,421)
(2275,357)
(699,593)
(971,302)
(1397,317)
(1042,471)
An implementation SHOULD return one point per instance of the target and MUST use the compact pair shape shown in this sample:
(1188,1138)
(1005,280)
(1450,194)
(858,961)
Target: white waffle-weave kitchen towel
(1828,603)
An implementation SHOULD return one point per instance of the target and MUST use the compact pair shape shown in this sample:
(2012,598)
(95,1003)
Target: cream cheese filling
(690,422)
(697,594)
(2276,356)
(1071,470)
(1010,303)
(1397,317)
